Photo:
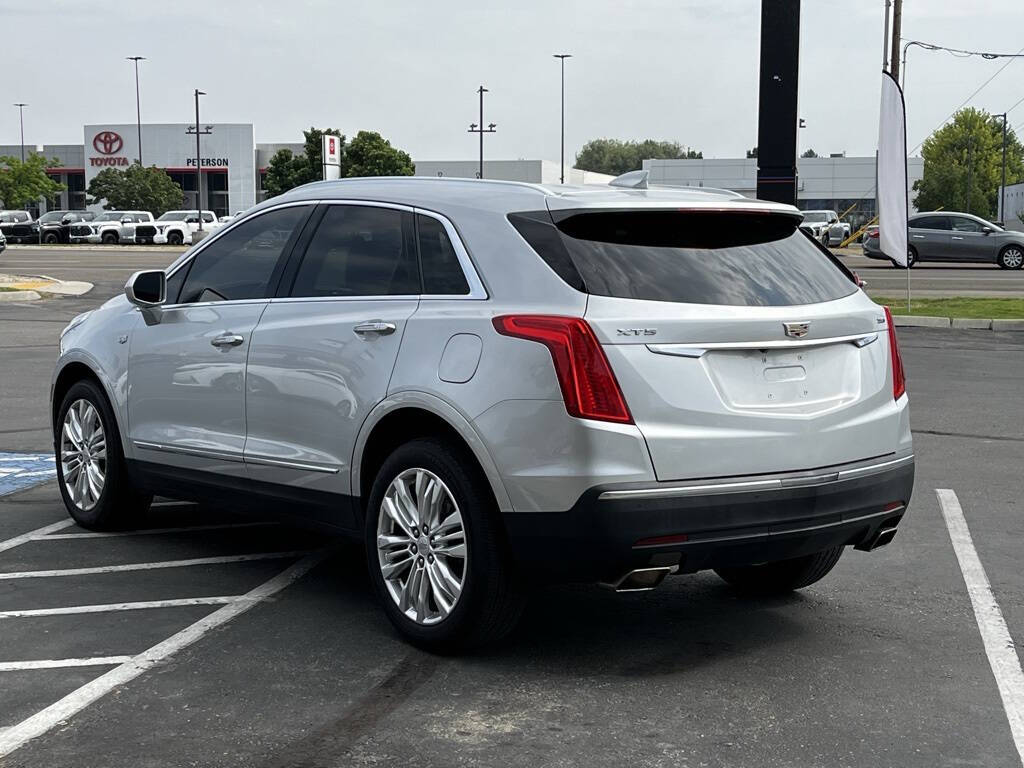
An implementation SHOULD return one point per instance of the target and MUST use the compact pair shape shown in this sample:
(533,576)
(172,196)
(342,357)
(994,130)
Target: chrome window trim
(697,349)
(754,486)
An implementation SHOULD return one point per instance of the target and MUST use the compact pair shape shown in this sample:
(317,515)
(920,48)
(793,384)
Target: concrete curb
(971,323)
(19,296)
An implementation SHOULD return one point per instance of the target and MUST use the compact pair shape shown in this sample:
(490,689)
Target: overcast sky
(684,70)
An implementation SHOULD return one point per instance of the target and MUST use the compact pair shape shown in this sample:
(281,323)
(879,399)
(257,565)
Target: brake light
(873,234)
(899,380)
(589,387)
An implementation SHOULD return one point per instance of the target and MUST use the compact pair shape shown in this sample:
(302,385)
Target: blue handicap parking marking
(23,470)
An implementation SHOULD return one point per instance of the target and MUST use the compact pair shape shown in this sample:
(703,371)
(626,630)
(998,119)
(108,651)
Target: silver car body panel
(296,403)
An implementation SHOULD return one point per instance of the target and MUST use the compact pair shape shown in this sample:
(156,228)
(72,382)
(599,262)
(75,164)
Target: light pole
(21,121)
(474,128)
(199,165)
(563,57)
(138,108)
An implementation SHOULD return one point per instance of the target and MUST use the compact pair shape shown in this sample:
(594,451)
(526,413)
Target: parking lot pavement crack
(968,435)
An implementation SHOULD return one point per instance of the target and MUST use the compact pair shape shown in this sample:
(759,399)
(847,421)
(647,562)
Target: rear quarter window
(731,258)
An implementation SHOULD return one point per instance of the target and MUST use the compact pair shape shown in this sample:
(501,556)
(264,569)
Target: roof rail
(631,180)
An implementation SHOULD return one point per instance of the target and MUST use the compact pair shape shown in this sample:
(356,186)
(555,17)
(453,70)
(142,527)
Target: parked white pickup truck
(107,226)
(825,226)
(174,228)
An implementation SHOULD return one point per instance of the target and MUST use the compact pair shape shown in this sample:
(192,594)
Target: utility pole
(138,108)
(21,121)
(563,57)
(1002,186)
(897,25)
(199,165)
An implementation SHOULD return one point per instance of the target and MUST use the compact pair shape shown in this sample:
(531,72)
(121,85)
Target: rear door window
(732,258)
(359,251)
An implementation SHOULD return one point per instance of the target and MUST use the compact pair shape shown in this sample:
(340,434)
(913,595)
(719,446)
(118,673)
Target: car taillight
(899,380)
(873,234)
(588,385)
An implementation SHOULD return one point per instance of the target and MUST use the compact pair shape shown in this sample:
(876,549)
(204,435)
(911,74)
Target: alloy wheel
(83,454)
(421,546)
(1012,258)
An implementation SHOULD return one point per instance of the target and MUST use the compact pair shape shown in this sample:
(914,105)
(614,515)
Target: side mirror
(126,219)
(987,230)
(191,220)
(147,289)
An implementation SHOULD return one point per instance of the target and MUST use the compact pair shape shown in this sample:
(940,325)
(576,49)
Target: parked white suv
(174,228)
(825,227)
(497,383)
(107,226)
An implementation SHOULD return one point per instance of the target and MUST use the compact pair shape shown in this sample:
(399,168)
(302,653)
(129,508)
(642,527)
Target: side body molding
(444,410)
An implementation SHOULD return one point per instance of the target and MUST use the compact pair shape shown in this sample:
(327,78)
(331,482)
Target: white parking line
(96,661)
(24,538)
(111,607)
(77,700)
(147,531)
(150,566)
(1002,656)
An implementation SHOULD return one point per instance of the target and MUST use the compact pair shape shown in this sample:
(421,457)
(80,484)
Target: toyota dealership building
(231,168)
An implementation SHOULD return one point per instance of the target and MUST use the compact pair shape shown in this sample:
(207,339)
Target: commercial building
(532,171)
(231,167)
(829,183)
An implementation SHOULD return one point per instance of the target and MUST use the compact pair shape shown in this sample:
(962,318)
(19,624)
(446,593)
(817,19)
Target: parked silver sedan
(950,236)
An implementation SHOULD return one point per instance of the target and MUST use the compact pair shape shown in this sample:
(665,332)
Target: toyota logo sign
(107,142)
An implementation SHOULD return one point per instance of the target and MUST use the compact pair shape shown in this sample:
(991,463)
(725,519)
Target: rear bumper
(709,524)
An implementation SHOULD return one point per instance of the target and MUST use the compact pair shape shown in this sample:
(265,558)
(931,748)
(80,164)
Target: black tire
(50,238)
(492,599)
(119,503)
(110,238)
(175,238)
(1011,257)
(911,258)
(782,576)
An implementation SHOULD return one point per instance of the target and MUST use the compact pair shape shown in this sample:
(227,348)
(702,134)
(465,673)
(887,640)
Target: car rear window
(720,257)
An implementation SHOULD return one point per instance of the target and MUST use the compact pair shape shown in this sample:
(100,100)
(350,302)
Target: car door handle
(227,340)
(918,237)
(957,237)
(375,326)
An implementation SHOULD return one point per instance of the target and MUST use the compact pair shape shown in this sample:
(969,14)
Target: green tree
(24,183)
(809,153)
(314,152)
(963,164)
(616,157)
(370,154)
(136,188)
(286,171)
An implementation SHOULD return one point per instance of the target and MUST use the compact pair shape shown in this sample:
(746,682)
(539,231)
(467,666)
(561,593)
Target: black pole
(563,57)
(482,90)
(199,170)
(138,106)
(21,122)
(777,101)
(1002,187)
(970,169)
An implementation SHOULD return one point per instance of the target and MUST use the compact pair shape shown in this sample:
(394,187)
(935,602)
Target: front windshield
(109,216)
(176,215)
(52,216)
(815,217)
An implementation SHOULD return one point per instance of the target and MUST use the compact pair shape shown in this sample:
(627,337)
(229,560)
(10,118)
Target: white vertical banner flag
(892,174)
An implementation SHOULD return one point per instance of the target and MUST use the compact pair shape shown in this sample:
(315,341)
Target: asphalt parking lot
(211,640)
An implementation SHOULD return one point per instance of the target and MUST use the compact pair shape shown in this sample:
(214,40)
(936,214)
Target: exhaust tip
(884,535)
(639,580)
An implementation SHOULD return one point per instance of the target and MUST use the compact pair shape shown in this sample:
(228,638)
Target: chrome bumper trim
(755,486)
